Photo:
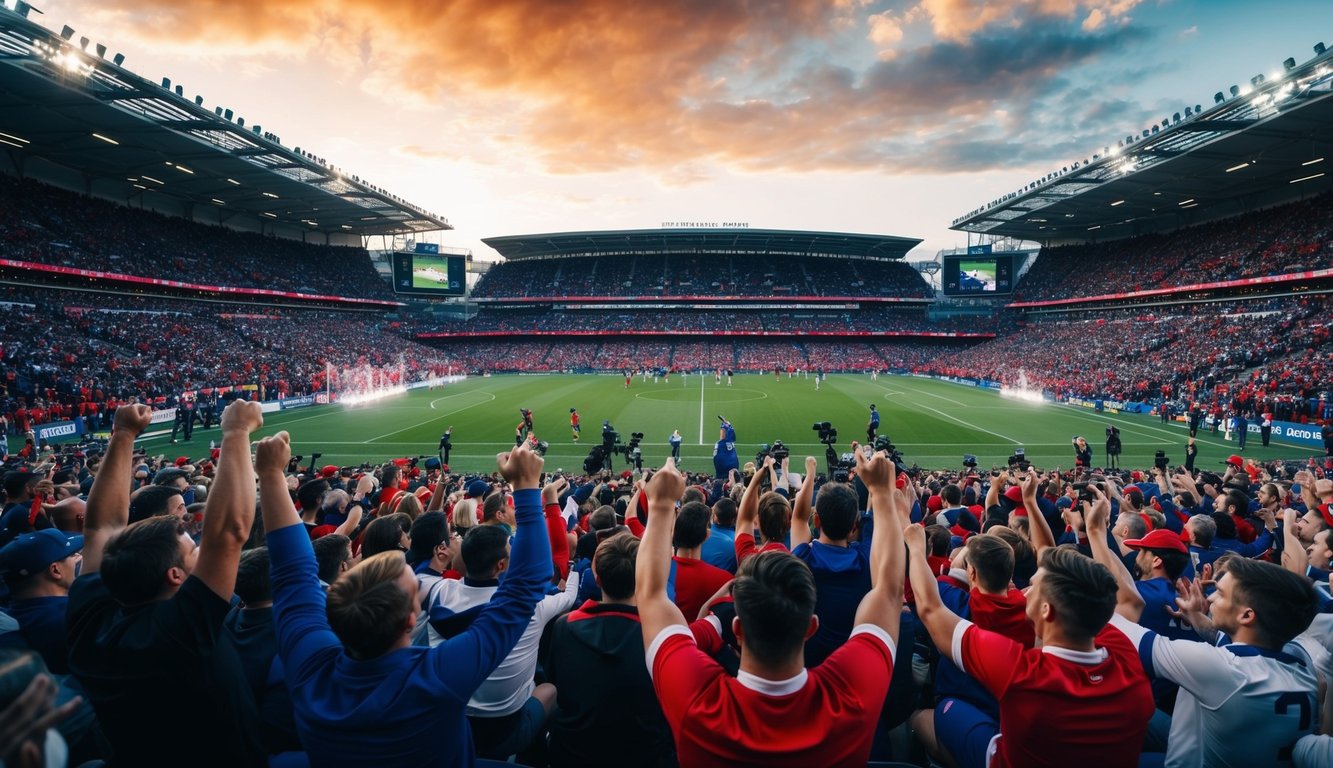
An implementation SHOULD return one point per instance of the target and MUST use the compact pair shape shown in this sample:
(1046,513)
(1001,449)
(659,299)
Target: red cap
(329,470)
(1136,476)
(934,503)
(626,475)
(1235,461)
(1158,539)
(1014,494)
(401,462)
(182,461)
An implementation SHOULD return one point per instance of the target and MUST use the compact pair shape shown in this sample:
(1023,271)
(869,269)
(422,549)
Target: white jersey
(1239,705)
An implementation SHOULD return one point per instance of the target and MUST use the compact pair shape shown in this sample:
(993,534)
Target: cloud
(677,89)
(1188,32)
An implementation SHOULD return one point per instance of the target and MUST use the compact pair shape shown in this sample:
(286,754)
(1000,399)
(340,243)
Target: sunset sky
(514,116)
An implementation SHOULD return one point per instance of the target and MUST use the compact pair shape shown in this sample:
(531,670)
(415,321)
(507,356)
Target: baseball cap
(1136,476)
(33,552)
(1014,494)
(1235,461)
(328,470)
(1158,539)
(432,463)
(478,488)
(182,461)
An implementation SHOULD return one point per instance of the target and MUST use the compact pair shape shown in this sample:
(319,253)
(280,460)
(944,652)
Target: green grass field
(933,422)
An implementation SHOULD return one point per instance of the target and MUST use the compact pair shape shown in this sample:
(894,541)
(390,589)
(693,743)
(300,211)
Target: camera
(539,449)
(1019,460)
(1160,460)
(842,469)
(883,443)
(1085,493)
(969,461)
(777,450)
(827,434)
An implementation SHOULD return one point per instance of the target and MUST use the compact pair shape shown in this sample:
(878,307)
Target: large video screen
(972,275)
(429,273)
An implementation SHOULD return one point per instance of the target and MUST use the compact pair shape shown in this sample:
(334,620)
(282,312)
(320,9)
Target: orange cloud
(604,85)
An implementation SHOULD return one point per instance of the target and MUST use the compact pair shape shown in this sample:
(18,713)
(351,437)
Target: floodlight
(118,59)
(83,43)
(1235,91)
(198,101)
(66,32)
(166,83)
(240,121)
(22,8)
(226,114)
(1197,109)
(1175,118)
(1257,80)
(1318,47)
(101,51)
(1289,64)
(180,91)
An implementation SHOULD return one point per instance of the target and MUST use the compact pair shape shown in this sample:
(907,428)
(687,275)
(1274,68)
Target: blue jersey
(724,453)
(874,418)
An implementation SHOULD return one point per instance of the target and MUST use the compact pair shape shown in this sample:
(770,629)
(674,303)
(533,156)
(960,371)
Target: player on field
(574,423)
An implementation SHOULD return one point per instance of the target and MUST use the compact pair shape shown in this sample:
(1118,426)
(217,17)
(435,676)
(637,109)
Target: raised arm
(883,604)
(1037,525)
(656,611)
(940,622)
(229,513)
(1294,556)
(1128,601)
(109,500)
(800,514)
(275,503)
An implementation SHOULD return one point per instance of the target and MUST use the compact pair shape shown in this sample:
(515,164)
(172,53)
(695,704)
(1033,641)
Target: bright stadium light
(1238,167)
(107,139)
(1306,178)
(1312,162)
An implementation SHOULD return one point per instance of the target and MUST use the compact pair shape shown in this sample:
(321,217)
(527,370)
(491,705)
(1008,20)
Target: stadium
(1144,334)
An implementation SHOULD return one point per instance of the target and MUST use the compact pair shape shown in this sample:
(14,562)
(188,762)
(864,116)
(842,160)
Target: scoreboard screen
(980,274)
(429,273)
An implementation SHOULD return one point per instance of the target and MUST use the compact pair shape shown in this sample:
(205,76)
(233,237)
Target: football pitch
(932,422)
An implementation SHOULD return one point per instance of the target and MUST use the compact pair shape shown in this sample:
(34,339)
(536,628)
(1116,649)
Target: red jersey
(1060,707)
(745,547)
(696,581)
(824,716)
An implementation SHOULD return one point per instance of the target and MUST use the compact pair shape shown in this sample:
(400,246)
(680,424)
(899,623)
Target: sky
(521,116)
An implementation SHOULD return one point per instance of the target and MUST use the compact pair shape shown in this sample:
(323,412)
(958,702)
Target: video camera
(839,467)
(1019,460)
(883,443)
(632,452)
(1084,492)
(969,461)
(777,450)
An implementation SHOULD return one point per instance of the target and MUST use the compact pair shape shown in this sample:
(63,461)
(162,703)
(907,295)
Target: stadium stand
(45,225)
(685,275)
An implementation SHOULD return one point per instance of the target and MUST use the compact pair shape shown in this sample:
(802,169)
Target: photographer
(1113,447)
(1082,453)
(446,444)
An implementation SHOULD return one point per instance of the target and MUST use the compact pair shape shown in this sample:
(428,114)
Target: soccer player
(1090,671)
(675,441)
(775,712)
(873,425)
(574,423)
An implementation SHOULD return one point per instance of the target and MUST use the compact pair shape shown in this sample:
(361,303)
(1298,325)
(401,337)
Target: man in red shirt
(1088,671)
(696,581)
(775,712)
(773,513)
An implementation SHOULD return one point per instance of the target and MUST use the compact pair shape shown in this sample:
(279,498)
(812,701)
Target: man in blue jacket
(724,453)
(362,693)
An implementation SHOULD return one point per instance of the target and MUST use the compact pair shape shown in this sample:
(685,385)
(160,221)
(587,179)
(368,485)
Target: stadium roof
(1261,146)
(703,240)
(79,110)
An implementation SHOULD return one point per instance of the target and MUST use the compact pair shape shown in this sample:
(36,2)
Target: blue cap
(478,488)
(33,552)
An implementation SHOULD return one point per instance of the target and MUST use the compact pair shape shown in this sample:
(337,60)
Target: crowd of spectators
(657,619)
(64,352)
(1190,353)
(689,320)
(1296,237)
(708,275)
(47,225)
